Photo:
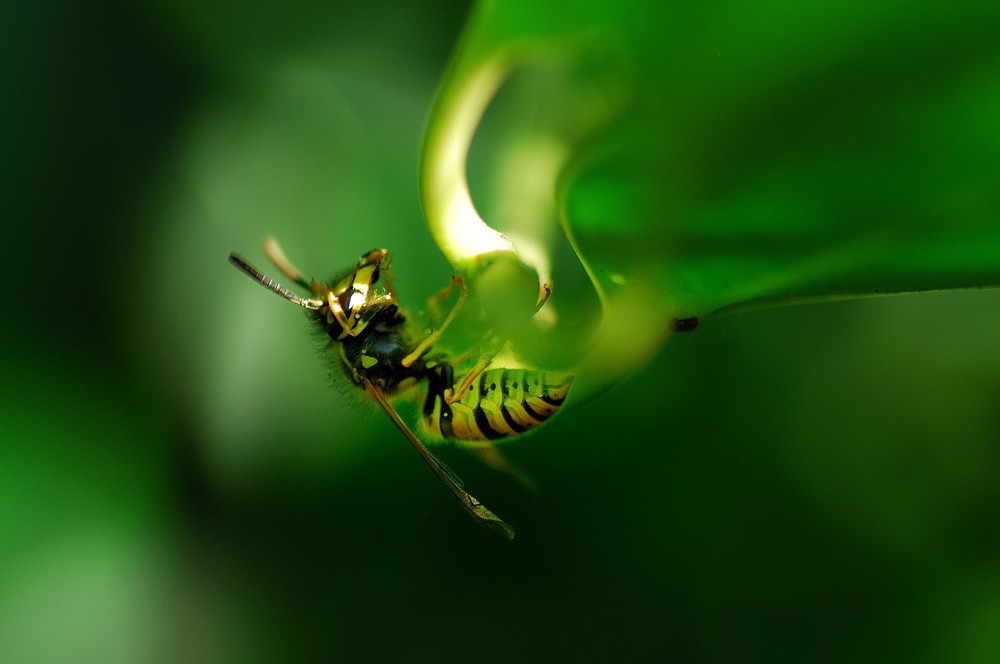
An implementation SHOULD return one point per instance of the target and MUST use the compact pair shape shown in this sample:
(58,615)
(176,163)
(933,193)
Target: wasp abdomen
(500,403)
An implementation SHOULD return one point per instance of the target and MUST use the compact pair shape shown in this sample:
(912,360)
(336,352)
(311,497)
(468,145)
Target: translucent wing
(476,509)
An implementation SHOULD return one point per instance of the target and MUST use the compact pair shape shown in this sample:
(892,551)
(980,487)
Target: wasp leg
(544,293)
(434,336)
(464,357)
(458,391)
(491,456)
(434,301)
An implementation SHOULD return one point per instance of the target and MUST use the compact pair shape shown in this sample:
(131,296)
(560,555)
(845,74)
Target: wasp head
(363,293)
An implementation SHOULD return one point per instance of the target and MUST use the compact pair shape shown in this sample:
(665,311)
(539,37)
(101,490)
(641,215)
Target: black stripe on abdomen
(532,413)
(511,422)
(483,423)
(552,401)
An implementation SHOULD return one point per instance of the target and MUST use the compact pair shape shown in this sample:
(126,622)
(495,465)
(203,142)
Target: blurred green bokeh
(180,480)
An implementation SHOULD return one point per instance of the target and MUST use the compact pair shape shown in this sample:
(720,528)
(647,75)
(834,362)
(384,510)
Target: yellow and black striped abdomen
(500,403)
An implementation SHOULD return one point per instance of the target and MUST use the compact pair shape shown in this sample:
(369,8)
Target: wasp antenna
(277,256)
(272,285)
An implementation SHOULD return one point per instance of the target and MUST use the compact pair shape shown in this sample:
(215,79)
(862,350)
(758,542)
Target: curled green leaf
(709,157)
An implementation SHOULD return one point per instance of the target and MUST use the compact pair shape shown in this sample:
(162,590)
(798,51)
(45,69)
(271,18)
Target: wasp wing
(483,516)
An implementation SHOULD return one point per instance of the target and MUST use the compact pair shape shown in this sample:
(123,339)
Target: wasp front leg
(434,336)
(434,301)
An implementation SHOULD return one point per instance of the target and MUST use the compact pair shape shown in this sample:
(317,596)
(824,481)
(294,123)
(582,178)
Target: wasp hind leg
(456,392)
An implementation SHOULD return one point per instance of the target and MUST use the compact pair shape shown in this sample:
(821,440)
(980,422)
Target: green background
(179,480)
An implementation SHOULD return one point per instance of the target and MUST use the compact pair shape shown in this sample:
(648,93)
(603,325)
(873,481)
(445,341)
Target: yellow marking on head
(358,298)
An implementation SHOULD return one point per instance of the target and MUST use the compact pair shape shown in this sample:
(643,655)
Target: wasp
(371,340)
